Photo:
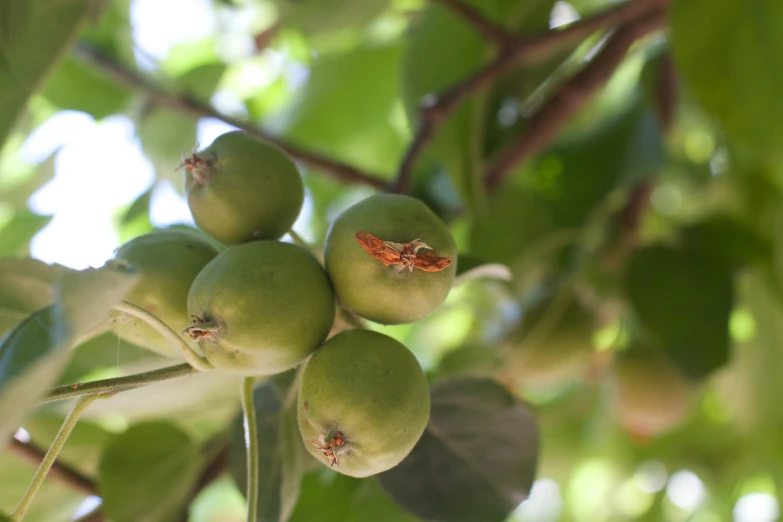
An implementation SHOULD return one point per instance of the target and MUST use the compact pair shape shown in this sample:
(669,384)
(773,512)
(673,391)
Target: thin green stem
(54,450)
(117,384)
(299,240)
(194,359)
(251,443)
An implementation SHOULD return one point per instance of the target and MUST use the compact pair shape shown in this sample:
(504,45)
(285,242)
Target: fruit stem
(251,447)
(51,455)
(298,239)
(195,360)
(117,384)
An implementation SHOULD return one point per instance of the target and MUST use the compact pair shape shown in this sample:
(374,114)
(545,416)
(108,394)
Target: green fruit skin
(253,190)
(272,303)
(649,395)
(370,388)
(551,354)
(168,262)
(385,294)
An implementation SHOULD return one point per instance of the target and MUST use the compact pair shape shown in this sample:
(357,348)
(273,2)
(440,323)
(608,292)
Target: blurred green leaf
(35,352)
(735,242)
(330,496)
(27,285)
(320,16)
(728,53)
(347,105)
(16,234)
(147,473)
(683,297)
(74,86)
(27,58)
(476,460)
(166,134)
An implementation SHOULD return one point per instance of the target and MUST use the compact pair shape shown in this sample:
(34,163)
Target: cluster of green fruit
(261,306)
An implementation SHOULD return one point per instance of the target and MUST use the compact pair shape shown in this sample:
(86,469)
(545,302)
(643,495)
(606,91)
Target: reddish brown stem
(336,169)
(513,53)
(569,98)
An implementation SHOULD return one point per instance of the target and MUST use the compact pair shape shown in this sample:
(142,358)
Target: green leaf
(728,52)
(166,134)
(34,353)
(282,457)
(74,86)
(16,234)
(146,473)
(683,298)
(476,460)
(330,496)
(346,105)
(27,285)
(732,240)
(35,35)
(320,16)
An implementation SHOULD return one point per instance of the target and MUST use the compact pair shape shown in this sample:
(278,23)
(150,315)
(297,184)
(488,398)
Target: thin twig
(50,457)
(436,109)
(59,471)
(117,384)
(666,92)
(216,466)
(251,447)
(569,98)
(488,30)
(126,76)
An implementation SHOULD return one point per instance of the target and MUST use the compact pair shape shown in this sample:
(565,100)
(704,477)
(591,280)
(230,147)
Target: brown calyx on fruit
(198,167)
(402,255)
(328,447)
(200,329)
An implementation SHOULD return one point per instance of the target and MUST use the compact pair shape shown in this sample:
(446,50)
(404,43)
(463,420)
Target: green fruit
(363,403)
(168,262)
(240,189)
(395,293)
(553,346)
(649,395)
(261,308)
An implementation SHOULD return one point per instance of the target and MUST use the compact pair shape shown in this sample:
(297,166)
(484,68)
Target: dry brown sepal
(402,255)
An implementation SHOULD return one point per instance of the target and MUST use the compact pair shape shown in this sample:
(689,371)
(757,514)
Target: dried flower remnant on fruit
(328,448)
(200,329)
(402,255)
(197,167)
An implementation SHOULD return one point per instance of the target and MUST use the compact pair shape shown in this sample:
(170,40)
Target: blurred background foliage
(643,321)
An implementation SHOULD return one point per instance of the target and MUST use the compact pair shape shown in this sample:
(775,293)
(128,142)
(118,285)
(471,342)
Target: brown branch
(438,108)
(60,471)
(569,98)
(666,92)
(121,74)
(490,31)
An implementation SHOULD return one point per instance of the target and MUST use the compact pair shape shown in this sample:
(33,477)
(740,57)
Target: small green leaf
(33,354)
(146,473)
(35,36)
(729,54)
(683,298)
(476,460)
